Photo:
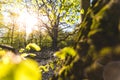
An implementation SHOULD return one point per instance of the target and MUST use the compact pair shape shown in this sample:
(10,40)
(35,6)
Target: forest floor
(45,57)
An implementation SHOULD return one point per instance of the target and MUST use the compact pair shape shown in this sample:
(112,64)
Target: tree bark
(98,42)
(55,37)
(85,4)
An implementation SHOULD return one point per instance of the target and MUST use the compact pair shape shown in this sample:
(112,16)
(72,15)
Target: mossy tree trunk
(98,42)
(85,4)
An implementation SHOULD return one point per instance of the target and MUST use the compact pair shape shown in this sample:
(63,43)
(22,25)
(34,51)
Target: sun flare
(27,21)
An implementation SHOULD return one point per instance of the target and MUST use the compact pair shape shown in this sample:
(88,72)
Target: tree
(12,34)
(60,13)
(1,16)
(85,4)
(97,44)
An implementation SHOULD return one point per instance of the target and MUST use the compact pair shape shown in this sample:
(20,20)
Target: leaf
(33,46)
(44,68)
(27,70)
(2,52)
(67,51)
(32,54)
(52,66)
(64,68)
(5,70)
(24,55)
(21,50)
(82,11)
(23,70)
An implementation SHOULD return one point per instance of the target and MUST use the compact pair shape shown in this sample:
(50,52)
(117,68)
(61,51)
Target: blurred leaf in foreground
(2,52)
(13,67)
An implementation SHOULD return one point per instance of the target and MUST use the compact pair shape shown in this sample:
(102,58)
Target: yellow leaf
(33,46)
(67,51)
(82,11)
(27,70)
(2,52)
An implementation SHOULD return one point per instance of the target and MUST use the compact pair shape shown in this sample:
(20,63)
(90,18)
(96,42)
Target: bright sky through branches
(27,21)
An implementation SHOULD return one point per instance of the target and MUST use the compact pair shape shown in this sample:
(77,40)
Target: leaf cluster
(14,67)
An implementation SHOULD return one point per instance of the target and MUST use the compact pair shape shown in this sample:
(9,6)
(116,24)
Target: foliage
(1,16)
(60,14)
(47,67)
(26,55)
(30,47)
(66,57)
(97,42)
(65,52)
(21,50)
(13,67)
(33,46)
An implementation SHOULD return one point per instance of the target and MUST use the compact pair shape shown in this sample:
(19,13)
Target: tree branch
(6,47)
(63,39)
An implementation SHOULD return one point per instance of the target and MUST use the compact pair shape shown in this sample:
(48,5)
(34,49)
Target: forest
(59,40)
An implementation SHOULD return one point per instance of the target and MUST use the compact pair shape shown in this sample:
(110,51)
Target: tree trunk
(55,37)
(99,31)
(12,34)
(98,42)
(85,4)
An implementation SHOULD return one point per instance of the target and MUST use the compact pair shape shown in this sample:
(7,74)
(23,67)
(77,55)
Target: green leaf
(32,54)
(67,51)
(28,54)
(44,68)
(33,46)
(24,55)
(21,50)
(52,65)
(82,11)
(12,67)
(27,70)
(2,52)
